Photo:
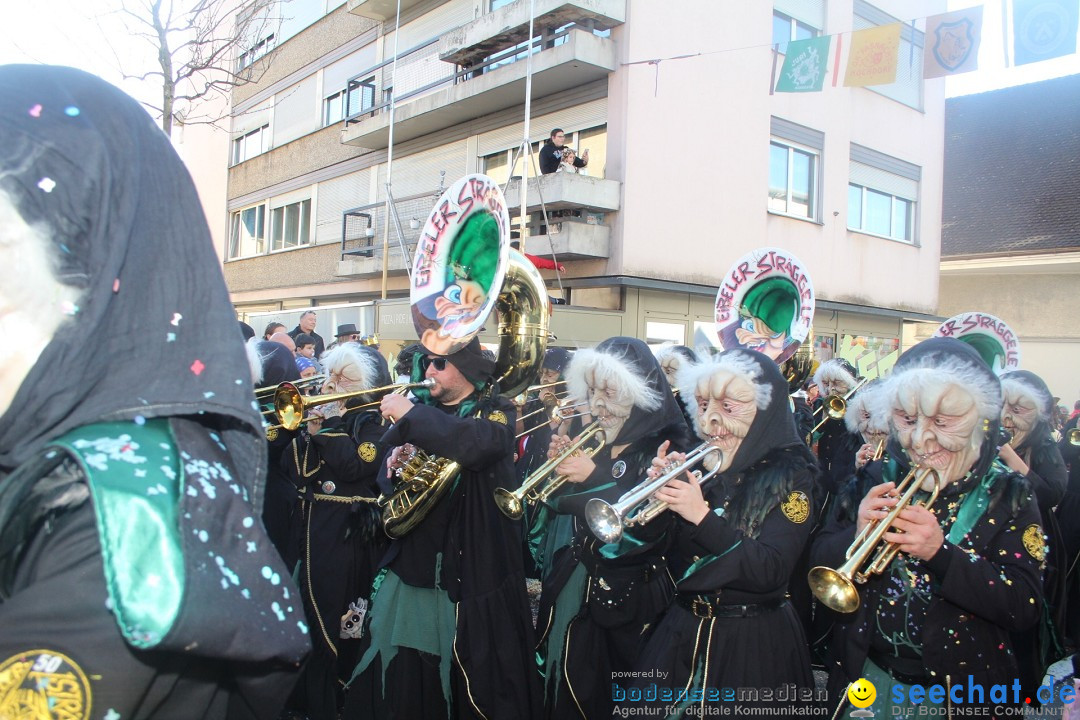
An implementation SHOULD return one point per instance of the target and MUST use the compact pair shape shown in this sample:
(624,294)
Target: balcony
(572,241)
(359,267)
(566,191)
(509,26)
(381,10)
(582,59)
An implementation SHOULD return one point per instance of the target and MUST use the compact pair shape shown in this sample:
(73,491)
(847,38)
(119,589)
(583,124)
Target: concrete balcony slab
(361,267)
(509,25)
(572,241)
(566,191)
(381,10)
(584,58)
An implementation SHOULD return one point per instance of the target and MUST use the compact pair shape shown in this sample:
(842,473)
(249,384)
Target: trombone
(1073,436)
(836,588)
(512,504)
(835,407)
(608,521)
(290,406)
(523,397)
(269,390)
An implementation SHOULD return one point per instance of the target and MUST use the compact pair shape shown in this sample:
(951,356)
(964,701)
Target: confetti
(208,394)
(140,420)
(197,367)
(116,285)
(170,337)
(69,308)
(36,111)
(47,184)
(71,111)
(176,318)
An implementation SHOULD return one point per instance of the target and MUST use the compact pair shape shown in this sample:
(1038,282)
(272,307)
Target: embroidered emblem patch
(497,416)
(366,451)
(271,434)
(618,469)
(1034,543)
(329,487)
(796,508)
(43,685)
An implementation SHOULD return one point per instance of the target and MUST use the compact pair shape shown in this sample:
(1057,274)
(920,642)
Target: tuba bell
(836,588)
(463,269)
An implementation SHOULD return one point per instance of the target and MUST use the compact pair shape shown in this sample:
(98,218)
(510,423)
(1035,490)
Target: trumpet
(608,521)
(512,504)
(836,588)
(290,406)
(835,406)
(1073,436)
(523,398)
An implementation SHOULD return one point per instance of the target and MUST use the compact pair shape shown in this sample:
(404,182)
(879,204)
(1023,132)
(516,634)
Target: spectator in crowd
(307,325)
(285,339)
(272,329)
(551,153)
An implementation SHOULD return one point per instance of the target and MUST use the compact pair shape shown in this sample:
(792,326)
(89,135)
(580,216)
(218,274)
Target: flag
(804,65)
(952,43)
(873,55)
(1043,29)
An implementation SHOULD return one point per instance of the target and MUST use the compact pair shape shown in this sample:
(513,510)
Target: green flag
(804,65)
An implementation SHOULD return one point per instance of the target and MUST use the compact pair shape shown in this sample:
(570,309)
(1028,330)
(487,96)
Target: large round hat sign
(990,336)
(766,303)
(459,264)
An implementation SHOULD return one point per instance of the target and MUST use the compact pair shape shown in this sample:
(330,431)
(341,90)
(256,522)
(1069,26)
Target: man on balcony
(551,154)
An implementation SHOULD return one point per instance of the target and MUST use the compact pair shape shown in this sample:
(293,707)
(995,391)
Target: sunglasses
(438,363)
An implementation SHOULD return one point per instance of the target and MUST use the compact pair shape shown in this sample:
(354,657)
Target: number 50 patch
(43,685)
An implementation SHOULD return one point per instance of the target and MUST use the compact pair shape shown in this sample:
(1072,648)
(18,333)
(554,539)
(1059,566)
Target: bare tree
(204,48)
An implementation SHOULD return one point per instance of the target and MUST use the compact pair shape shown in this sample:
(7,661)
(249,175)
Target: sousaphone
(463,269)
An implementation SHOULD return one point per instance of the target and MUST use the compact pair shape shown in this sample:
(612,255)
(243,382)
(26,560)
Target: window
(259,49)
(795,169)
(359,98)
(786,28)
(907,88)
(882,195)
(594,139)
(251,144)
(248,233)
(290,225)
(792,174)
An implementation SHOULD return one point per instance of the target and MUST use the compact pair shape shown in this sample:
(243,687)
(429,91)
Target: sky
(86,34)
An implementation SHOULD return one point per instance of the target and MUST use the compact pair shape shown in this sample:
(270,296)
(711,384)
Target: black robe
(468,548)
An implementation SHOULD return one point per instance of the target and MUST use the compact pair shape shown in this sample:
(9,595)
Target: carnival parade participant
(731,624)
(599,601)
(1032,451)
(135,576)
(867,417)
(967,573)
(672,358)
(836,446)
(336,466)
(450,626)
(275,365)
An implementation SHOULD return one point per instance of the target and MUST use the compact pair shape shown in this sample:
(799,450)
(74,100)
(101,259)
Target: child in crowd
(305,355)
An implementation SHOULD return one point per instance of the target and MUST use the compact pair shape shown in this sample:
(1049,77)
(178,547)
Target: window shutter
(296,112)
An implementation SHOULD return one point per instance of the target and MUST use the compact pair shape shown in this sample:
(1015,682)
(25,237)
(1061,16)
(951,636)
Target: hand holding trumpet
(915,530)
(577,468)
(684,498)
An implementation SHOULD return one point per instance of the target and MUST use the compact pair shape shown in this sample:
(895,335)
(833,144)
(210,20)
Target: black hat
(348,329)
(247,330)
(471,362)
(556,359)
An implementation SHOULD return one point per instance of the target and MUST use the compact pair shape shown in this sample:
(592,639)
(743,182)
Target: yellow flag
(873,54)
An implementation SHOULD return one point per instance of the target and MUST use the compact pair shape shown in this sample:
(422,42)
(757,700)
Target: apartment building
(693,160)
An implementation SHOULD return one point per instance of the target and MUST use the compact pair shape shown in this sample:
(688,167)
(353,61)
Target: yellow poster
(872,57)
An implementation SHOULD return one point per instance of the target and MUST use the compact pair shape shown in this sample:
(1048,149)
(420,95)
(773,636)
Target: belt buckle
(707,613)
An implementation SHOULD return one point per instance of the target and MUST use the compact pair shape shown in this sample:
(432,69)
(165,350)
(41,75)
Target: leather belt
(709,606)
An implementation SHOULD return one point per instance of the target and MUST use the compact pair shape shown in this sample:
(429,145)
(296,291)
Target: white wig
(833,370)
(931,371)
(737,363)
(875,402)
(613,370)
(254,361)
(1036,396)
(336,360)
(667,350)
